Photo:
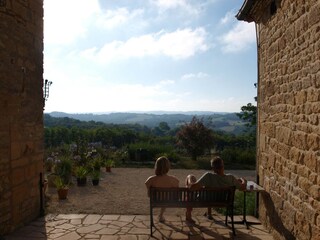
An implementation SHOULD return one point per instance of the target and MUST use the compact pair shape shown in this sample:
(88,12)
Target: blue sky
(148,55)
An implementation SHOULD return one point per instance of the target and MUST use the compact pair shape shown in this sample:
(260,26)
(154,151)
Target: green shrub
(238,204)
(63,168)
(235,157)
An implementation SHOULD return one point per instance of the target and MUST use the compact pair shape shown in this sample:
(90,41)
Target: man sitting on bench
(216,179)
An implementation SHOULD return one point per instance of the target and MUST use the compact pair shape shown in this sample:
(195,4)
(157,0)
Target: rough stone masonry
(288,41)
(21,111)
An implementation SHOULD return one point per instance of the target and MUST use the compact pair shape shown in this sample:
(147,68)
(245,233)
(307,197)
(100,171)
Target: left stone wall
(21,111)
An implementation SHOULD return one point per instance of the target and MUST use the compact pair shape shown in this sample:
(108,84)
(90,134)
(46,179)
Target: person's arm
(200,183)
(148,185)
(195,186)
(242,184)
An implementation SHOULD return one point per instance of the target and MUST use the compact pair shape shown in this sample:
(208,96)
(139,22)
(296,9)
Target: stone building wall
(289,116)
(21,111)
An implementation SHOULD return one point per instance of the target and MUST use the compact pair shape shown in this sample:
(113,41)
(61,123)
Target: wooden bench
(184,197)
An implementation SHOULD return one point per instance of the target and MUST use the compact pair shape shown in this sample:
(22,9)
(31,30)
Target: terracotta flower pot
(63,193)
(108,169)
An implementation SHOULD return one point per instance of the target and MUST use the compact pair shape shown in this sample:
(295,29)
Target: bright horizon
(148,55)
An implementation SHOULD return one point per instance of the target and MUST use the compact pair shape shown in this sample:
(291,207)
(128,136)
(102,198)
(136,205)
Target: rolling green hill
(227,122)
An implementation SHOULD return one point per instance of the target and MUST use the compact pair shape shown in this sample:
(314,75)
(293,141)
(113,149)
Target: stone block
(21,162)
(311,160)
(304,183)
(18,176)
(19,194)
(314,192)
(301,97)
(313,142)
(314,16)
(309,212)
(299,139)
(16,152)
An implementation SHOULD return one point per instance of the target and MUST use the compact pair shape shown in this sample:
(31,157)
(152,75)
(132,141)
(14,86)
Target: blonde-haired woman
(161,179)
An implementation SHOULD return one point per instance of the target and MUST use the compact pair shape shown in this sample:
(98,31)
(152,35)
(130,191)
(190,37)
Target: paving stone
(118,227)
(49,229)
(179,235)
(109,238)
(143,237)
(108,231)
(210,237)
(173,218)
(75,221)
(138,224)
(91,219)
(56,235)
(55,223)
(142,218)
(66,226)
(119,224)
(139,231)
(124,230)
(90,229)
(71,216)
(126,218)
(92,236)
(104,222)
(69,236)
(57,230)
(128,237)
(110,217)
(163,234)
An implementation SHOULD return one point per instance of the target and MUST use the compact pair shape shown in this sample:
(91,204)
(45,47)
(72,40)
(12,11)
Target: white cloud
(227,18)
(114,18)
(170,3)
(180,44)
(65,21)
(194,76)
(239,38)
(164,5)
(166,82)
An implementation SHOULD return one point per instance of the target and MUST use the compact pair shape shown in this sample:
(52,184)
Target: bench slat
(184,197)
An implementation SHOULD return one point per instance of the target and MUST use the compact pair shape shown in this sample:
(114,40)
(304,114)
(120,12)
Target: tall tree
(249,114)
(195,138)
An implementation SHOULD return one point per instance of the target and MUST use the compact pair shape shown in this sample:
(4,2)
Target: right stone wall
(289,118)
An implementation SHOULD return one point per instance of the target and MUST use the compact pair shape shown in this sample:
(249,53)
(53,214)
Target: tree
(162,129)
(249,114)
(195,138)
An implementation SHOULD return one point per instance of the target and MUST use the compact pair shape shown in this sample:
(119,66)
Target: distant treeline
(161,139)
(228,122)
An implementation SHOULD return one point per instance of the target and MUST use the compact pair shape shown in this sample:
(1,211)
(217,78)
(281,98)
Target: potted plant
(109,164)
(48,164)
(95,177)
(62,187)
(81,175)
(96,162)
(63,168)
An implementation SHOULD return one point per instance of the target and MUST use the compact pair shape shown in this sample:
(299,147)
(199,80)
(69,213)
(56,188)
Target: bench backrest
(184,197)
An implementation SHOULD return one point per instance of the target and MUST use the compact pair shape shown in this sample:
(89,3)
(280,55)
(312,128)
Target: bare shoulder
(150,179)
(174,180)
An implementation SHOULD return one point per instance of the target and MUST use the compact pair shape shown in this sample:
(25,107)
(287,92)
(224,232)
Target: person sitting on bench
(161,179)
(216,179)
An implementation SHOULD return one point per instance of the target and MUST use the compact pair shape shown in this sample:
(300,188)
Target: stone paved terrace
(135,227)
